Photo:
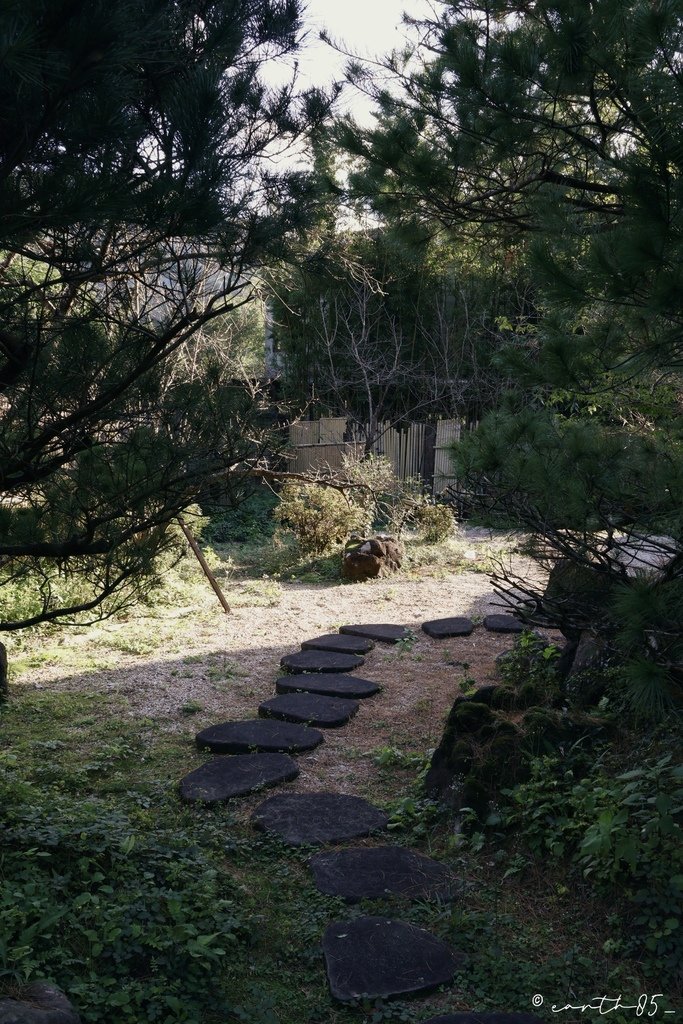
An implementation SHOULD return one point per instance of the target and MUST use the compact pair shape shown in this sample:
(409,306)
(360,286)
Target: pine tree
(555,126)
(135,204)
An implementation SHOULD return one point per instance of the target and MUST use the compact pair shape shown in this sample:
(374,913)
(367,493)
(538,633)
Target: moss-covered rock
(469,716)
(485,749)
(504,699)
(475,795)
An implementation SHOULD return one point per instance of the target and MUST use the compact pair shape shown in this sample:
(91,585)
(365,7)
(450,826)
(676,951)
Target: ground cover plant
(99,728)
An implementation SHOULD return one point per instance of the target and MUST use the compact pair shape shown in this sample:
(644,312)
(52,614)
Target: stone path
(258,734)
(226,777)
(321,661)
(301,819)
(388,634)
(340,643)
(313,708)
(330,684)
(370,957)
(371,872)
(503,624)
(441,629)
(485,1018)
(379,958)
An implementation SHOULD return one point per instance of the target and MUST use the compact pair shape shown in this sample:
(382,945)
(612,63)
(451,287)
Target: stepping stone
(474,1017)
(388,634)
(321,661)
(339,643)
(440,629)
(309,707)
(372,872)
(225,777)
(313,818)
(258,734)
(503,624)
(330,684)
(379,958)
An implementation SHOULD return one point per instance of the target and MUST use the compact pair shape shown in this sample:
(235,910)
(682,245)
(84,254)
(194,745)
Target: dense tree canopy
(386,331)
(554,127)
(136,201)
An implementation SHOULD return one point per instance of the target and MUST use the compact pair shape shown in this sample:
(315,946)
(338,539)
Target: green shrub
(434,522)
(624,832)
(319,517)
(250,522)
(634,843)
(530,668)
(385,499)
(130,921)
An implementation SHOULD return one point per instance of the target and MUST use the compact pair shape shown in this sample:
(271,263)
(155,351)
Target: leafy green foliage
(319,517)
(131,921)
(384,498)
(250,522)
(435,523)
(530,670)
(132,196)
(624,832)
(549,130)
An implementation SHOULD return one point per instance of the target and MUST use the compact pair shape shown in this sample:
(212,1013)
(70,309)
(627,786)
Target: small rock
(41,1003)
(365,559)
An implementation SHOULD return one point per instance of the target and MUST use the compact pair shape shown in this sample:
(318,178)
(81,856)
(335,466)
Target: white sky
(364,27)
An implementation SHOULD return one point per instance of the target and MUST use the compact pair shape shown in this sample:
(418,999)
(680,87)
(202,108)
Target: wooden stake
(204,564)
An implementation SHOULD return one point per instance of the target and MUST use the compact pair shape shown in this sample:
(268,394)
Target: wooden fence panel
(448,432)
(332,430)
(319,444)
(313,458)
(329,430)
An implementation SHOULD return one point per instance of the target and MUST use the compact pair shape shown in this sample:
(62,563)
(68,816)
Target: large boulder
(367,558)
(479,751)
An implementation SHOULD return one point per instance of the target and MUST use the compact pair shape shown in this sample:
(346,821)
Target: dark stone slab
(258,734)
(473,1017)
(330,684)
(329,712)
(370,873)
(321,661)
(339,643)
(388,634)
(379,958)
(440,629)
(503,624)
(225,777)
(313,818)
(41,1003)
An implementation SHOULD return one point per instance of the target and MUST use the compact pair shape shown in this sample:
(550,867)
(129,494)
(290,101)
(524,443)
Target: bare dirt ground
(197,666)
